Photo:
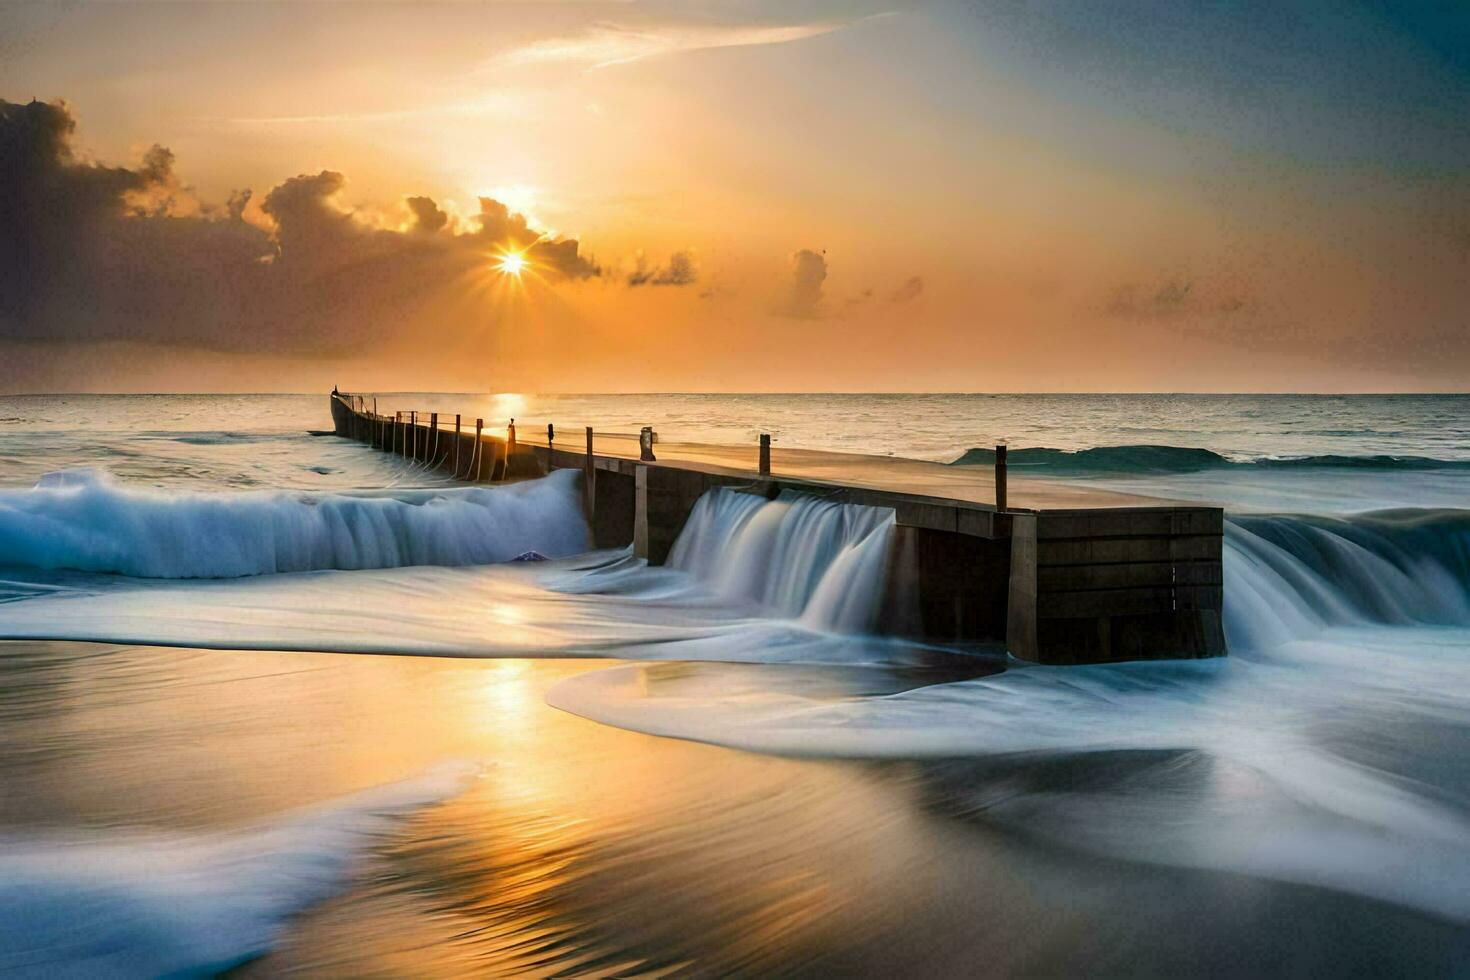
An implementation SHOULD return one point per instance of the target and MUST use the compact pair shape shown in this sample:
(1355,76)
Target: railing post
(589,480)
(645,445)
(433,453)
(765,458)
(458,440)
(413,427)
(477,458)
(550,440)
(1000,477)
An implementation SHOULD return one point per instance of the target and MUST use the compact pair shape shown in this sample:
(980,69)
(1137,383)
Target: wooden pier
(1056,574)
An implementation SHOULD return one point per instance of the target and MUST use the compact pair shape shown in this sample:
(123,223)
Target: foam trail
(147,904)
(82,520)
(1327,750)
(804,557)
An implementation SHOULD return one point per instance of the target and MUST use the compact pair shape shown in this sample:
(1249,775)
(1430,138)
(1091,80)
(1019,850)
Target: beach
(574,847)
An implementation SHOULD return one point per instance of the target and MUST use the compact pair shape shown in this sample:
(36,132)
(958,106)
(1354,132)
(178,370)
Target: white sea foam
(147,904)
(83,520)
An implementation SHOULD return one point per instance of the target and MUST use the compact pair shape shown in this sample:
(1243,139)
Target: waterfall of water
(1288,577)
(804,557)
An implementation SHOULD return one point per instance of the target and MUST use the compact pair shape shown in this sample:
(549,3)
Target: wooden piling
(458,439)
(477,457)
(433,452)
(589,480)
(1000,477)
(765,458)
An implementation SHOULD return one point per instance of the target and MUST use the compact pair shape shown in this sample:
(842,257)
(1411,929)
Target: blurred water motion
(584,849)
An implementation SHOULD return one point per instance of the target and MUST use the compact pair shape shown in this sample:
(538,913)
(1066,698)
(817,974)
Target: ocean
(272,700)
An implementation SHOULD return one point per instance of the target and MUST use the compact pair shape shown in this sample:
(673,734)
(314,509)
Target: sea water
(1328,752)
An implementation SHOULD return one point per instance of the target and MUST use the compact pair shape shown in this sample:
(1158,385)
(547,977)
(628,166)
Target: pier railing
(429,437)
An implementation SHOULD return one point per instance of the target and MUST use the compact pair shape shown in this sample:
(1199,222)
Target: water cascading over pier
(799,555)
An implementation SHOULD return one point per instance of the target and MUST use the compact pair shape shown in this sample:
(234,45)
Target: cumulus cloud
(427,215)
(808,272)
(91,252)
(908,291)
(680,271)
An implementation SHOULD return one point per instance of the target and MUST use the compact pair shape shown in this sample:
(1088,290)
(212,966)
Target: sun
(512,264)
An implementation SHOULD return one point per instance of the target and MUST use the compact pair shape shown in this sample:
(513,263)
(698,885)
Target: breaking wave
(84,521)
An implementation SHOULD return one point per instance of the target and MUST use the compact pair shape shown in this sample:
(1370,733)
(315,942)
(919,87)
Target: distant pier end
(1070,576)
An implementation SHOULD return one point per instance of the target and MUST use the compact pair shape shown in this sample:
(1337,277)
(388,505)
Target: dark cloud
(426,214)
(909,291)
(90,252)
(679,272)
(1133,300)
(808,272)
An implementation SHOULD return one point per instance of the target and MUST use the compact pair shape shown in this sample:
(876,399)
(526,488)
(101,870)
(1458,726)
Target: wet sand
(582,849)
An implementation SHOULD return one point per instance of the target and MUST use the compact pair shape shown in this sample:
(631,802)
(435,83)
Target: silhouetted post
(645,445)
(397,424)
(458,438)
(765,460)
(434,428)
(550,438)
(1000,477)
(589,479)
(477,458)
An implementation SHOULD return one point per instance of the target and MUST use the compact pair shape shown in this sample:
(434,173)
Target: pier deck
(971,484)
(1061,574)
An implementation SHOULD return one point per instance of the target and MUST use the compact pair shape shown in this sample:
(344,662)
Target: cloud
(1131,300)
(608,44)
(97,253)
(679,272)
(808,272)
(908,291)
(427,215)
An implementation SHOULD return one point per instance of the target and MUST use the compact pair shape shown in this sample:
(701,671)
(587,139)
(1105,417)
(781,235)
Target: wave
(84,521)
(802,556)
(153,904)
(1290,576)
(1150,459)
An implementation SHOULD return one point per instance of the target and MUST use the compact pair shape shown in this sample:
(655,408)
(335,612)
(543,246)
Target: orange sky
(882,197)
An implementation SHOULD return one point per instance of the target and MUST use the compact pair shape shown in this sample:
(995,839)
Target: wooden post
(550,439)
(1000,477)
(765,459)
(589,480)
(433,453)
(413,426)
(477,457)
(458,440)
